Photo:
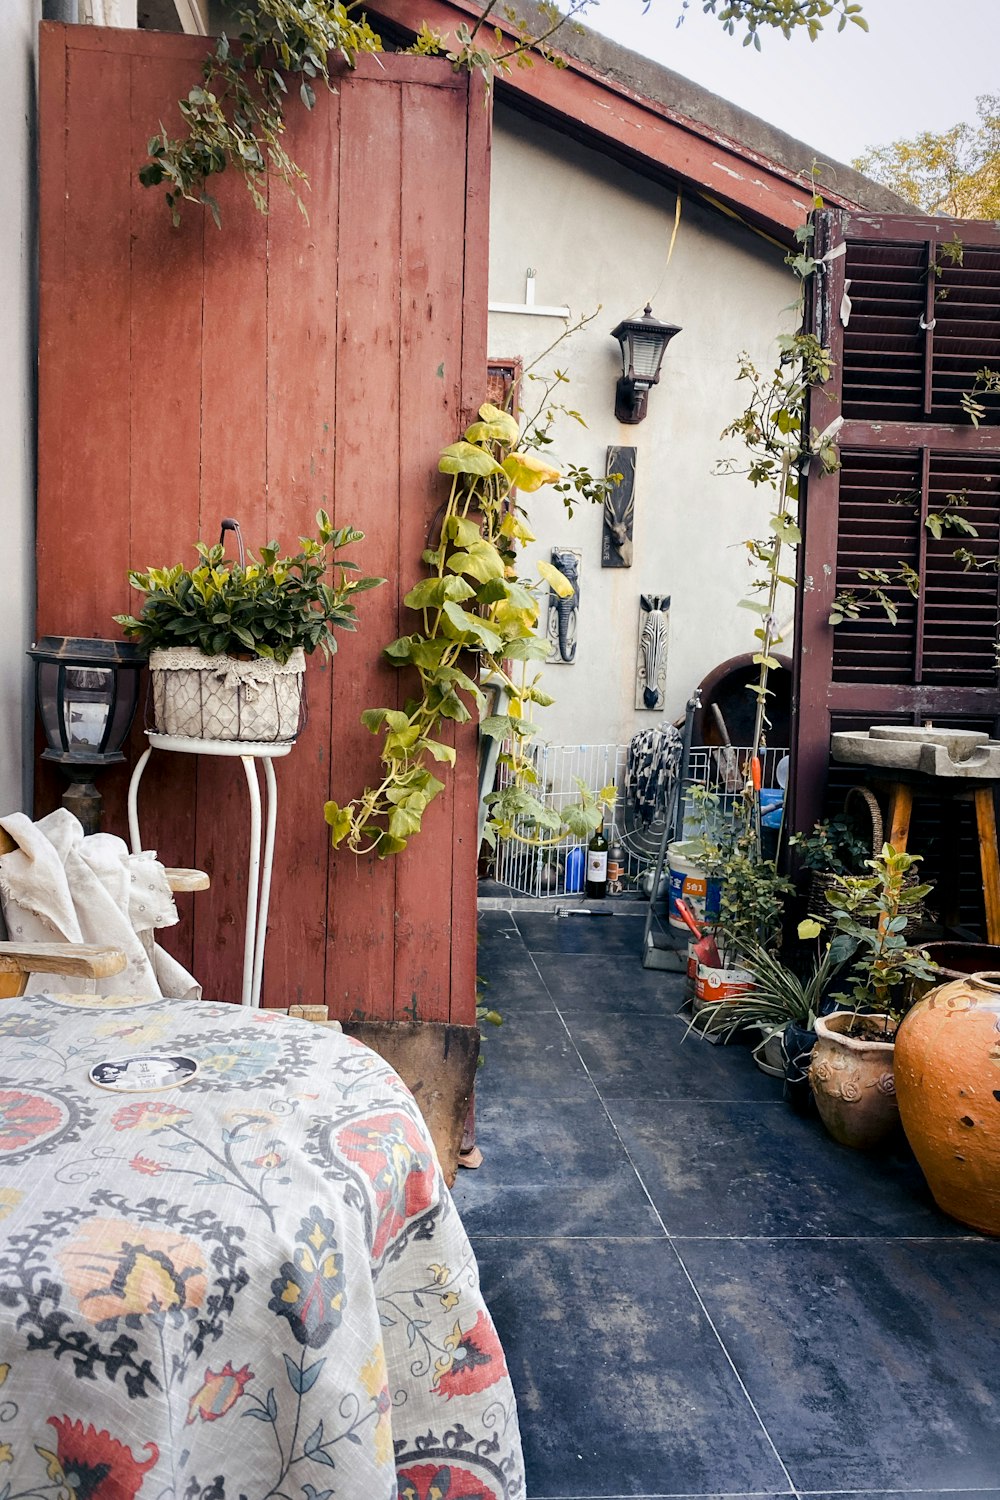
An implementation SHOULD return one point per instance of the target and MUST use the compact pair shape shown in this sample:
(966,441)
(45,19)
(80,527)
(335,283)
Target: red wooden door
(262,371)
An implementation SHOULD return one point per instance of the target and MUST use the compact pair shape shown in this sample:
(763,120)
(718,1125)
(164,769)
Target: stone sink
(934,752)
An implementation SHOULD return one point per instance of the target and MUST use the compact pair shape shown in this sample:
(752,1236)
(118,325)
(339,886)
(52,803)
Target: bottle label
(597,864)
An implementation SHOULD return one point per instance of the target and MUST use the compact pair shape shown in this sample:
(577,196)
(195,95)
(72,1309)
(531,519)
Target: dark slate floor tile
(511,984)
(543,933)
(905,1495)
(621,1385)
(491,923)
(737,1169)
(551,1168)
(531,1056)
(606,984)
(643,1057)
(872,1363)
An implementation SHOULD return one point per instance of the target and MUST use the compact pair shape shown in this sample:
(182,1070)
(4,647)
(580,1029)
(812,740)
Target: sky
(919,67)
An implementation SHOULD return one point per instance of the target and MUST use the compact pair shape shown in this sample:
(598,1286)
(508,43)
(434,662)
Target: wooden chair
(18,961)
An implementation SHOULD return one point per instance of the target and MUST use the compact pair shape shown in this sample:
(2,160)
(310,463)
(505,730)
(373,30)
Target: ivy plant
(470,610)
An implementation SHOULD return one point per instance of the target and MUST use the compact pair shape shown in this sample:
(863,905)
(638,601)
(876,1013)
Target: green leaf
(466,458)
(432,593)
(463,531)
(809,929)
(481,561)
(467,625)
(339,819)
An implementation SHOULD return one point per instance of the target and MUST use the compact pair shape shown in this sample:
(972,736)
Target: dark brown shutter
(909,324)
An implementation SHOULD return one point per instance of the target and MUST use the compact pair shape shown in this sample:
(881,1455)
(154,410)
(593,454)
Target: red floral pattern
(442,1482)
(474,1360)
(27,1118)
(394,1156)
(97,1466)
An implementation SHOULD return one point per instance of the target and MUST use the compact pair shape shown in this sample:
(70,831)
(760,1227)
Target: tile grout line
(792,1492)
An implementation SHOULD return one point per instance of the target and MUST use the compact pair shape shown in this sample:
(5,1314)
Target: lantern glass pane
(87,706)
(124,707)
(647,351)
(48,702)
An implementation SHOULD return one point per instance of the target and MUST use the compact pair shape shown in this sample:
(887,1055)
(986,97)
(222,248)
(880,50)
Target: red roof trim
(640,129)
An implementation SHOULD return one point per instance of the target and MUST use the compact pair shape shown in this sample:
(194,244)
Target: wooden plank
(989,859)
(433,202)
(361,905)
(164,457)
(301,358)
(475,319)
(233,380)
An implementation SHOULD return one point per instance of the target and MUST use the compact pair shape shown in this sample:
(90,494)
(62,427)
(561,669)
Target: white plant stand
(258,870)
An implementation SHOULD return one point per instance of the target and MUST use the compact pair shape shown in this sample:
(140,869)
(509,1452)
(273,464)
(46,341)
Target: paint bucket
(689,881)
(711,986)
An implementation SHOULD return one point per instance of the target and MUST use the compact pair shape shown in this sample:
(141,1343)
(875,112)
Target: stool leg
(989,860)
(900,811)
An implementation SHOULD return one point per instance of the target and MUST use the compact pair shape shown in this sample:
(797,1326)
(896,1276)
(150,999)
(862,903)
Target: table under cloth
(254,1285)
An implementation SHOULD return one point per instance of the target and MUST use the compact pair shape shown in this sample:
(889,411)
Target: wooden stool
(901,794)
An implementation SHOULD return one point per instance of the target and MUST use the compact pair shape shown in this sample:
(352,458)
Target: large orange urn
(947,1072)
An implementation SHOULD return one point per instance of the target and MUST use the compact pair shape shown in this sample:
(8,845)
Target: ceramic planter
(224,697)
(852,1080)
(948,1078)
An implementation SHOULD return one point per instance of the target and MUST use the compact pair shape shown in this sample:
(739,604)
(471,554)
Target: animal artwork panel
(619,510)
(651,665)
(564,613)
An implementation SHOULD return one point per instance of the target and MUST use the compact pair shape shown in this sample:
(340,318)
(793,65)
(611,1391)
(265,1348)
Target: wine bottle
(597,866)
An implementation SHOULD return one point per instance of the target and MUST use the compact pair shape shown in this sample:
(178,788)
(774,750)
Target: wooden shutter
(911,310)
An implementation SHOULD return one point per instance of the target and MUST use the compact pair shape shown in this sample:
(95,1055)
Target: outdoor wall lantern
(86,692)
(644,341)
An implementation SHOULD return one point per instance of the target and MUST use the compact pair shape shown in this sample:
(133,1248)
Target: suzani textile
(255,1285)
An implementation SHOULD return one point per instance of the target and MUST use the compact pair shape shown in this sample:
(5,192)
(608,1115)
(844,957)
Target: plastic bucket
(711,986)
(688,881)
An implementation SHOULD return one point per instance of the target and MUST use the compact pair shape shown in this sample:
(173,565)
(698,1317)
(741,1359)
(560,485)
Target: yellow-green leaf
(339,819)
(557,581)
(528,472)
(466,458)
(809,929)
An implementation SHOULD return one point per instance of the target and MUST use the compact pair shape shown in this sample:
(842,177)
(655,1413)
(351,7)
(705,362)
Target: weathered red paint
(261,372)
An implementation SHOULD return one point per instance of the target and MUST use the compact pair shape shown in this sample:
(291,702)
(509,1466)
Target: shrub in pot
(751,904)
(227,641)
(851,1073)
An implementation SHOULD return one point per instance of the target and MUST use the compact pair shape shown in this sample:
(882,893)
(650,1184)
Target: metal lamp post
(87,692)
(643,343)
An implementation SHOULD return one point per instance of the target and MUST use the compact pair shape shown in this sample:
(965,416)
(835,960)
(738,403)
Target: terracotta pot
(948,1074)
(852,1082)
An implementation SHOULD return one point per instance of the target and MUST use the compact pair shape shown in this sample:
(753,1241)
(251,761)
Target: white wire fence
(555,870)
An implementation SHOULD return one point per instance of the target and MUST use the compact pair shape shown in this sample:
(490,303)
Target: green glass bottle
(597,866)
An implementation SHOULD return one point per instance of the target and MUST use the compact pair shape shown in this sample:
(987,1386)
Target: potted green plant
(779,998)
(851,1070)
(751,895)
(227,641)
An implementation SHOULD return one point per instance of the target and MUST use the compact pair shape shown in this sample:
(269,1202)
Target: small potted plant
(851,1070)
(227,641)
(751,897)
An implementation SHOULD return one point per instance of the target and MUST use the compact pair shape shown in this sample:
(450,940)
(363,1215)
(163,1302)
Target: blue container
(576,863)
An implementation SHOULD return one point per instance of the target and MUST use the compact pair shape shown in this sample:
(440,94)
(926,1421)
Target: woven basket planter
(224,698)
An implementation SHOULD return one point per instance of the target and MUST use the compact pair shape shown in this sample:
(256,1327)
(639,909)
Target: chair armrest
(78,960)
(188,880)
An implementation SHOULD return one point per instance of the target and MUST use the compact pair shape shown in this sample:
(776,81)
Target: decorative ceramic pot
(948,1075)
(852,1079)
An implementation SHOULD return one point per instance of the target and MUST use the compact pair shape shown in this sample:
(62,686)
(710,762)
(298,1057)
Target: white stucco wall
(17,392)
(597,234)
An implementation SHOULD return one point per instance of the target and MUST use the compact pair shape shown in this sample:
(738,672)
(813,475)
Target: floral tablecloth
(255,1285)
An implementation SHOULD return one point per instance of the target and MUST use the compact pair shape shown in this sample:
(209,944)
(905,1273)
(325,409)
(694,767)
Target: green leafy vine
(472,603)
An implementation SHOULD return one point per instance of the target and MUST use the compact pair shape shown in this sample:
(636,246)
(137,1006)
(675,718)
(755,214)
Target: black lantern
(86,693)
(644,341)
